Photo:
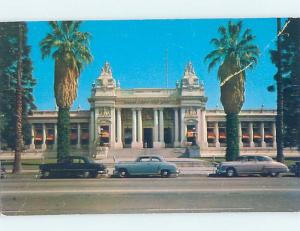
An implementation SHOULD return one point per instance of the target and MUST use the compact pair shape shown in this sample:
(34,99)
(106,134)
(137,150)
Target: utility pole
(167,77)
(279,117)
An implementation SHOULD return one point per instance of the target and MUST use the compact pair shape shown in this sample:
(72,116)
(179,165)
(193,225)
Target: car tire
(274,174)
(45,174)
(164,173)
(93,174)
(123,173)
(85,174)
(230,172)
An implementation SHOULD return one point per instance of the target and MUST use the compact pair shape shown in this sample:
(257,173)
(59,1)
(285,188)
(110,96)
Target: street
(26,195)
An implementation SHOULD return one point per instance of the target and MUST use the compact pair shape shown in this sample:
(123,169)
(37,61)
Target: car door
(263,163)
(142,166)
(77,166)
(251,165)
(155,165)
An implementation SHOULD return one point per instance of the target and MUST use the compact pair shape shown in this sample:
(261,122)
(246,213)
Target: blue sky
(136,50)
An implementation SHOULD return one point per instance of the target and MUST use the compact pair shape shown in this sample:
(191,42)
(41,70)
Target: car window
(144,159)
(241,158)
(77,161)
(155,159)
(263,158)
(251,158)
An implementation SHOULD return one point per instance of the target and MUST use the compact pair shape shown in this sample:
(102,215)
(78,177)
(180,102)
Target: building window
(245,134)
(104,136)
(268,134)
(257,134)
(222,134)
(73,134)
(211,137)
(84,133)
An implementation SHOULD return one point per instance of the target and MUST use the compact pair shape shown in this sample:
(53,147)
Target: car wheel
(165,173)
(123,173)
(45,174)
(230,172)
(93,174)
(274,174)
(85,174)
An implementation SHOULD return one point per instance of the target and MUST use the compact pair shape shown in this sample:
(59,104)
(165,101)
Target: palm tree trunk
(232,138)
(279,117)
(63,133)
(19,136)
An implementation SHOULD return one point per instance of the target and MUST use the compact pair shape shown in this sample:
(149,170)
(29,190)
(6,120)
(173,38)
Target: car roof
(149,156)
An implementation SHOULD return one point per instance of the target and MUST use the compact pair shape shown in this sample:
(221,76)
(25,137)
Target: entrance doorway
(148,141)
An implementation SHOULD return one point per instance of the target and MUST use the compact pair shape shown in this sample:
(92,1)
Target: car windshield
(264,158)
(90,160)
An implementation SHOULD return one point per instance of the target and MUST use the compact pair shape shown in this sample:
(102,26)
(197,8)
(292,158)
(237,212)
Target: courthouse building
(152,118)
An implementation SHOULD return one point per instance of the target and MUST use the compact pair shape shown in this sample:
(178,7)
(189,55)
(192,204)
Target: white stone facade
(151,118)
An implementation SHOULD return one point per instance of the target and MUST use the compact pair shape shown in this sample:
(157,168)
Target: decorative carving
(191,112)
(104,112)
(190,80)
(106,69)
(105,80)
(189,69)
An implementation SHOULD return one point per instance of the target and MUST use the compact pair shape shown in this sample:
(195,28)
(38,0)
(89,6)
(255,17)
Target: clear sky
(136,51)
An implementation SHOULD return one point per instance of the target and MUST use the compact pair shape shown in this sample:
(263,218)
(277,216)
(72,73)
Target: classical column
(156,143)
(95,129)
(161,127)
(78,146)
(32,145)
(262,133)
(133,143)
(182,127)
(216,131)
(55,136)
(44,137)
(112,128)
(240,135)
(140,127)
(251,134)
(176,128)
(119,143)
(204,129)
(274,134)
(92,132)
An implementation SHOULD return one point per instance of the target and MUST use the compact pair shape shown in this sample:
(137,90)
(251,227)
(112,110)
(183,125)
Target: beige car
(249,165)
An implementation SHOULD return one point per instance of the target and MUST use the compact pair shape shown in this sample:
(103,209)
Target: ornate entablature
(191,113)
(104,112)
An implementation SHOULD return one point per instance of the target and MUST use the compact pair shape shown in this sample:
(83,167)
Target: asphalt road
(28,196)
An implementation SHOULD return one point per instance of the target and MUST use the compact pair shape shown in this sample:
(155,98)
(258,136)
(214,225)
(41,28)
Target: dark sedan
(73,166)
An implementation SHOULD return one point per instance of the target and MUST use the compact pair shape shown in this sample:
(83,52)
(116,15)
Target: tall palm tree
(19,95)
(235,52)
(70,51)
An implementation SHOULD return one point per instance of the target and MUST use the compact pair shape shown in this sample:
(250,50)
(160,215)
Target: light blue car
(146,165)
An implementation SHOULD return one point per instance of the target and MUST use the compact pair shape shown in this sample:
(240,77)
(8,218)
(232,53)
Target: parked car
(295,169)
(146,165)
(3,173)
(248,165)
(73,166)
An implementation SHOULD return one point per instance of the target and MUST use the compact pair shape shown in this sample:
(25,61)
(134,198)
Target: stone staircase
(133,153)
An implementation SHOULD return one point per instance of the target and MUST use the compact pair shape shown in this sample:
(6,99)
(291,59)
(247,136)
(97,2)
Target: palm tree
(235,52)
(70,51)
(19,95)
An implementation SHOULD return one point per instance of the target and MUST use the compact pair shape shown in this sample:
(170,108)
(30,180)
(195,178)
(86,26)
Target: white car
(249,165)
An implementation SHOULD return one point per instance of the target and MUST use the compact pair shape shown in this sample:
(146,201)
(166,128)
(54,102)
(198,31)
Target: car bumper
(103,172)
